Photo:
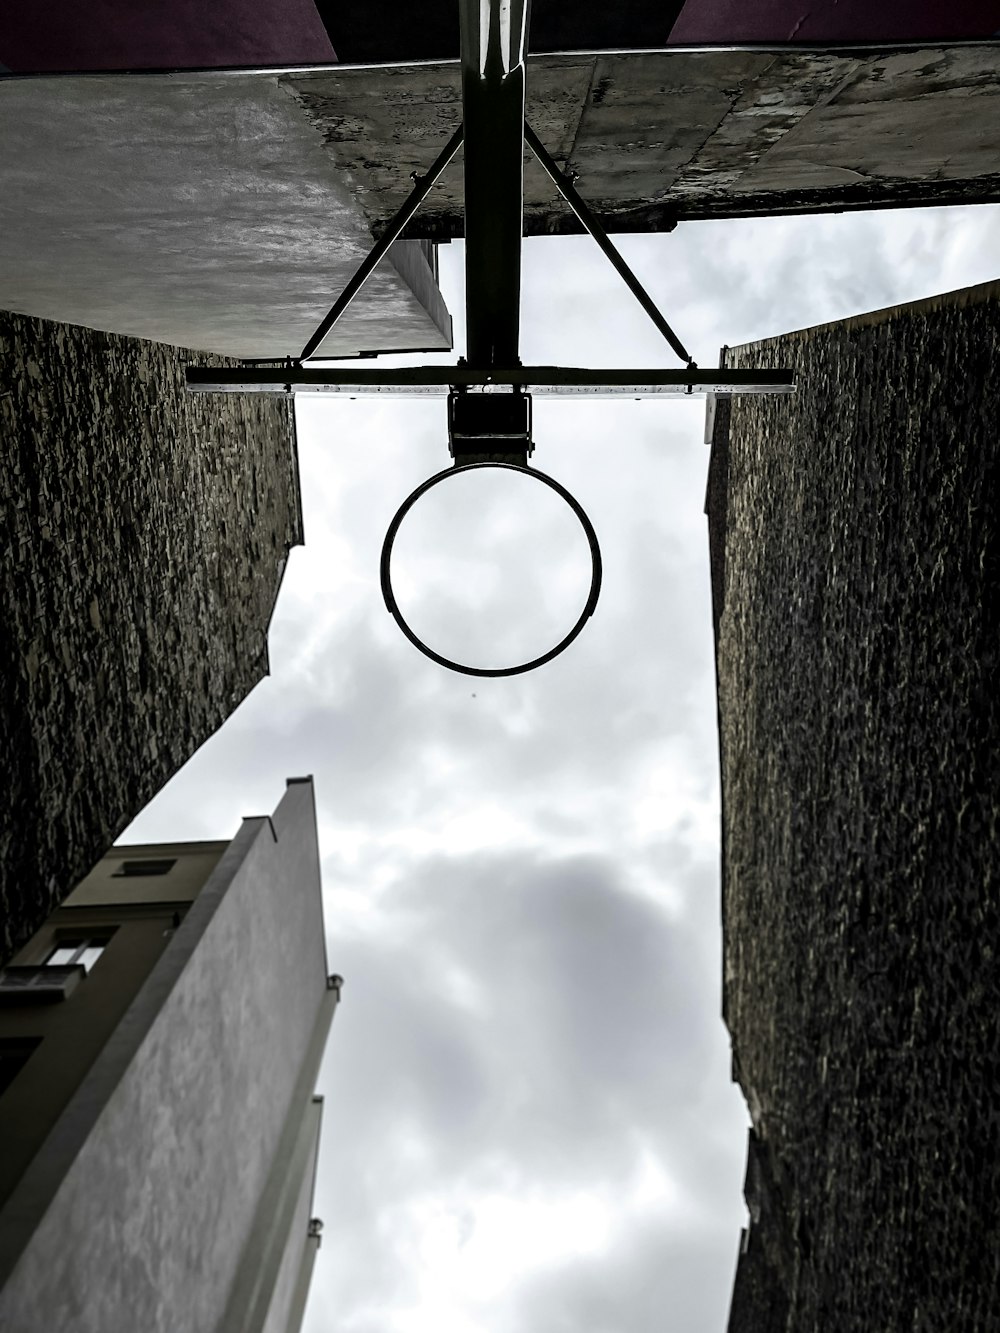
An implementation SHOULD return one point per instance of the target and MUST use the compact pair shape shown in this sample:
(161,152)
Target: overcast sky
(529,1124)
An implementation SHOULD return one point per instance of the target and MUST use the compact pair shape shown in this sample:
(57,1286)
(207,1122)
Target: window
(80,949)
(127,869)
(38,985)
(69,959)
(14,1055)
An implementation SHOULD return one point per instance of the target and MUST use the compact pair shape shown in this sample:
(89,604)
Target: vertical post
(493,50)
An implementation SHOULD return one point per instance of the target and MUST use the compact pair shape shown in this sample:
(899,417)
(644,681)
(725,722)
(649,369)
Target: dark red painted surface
(64,35)
(835,21)
(391,30)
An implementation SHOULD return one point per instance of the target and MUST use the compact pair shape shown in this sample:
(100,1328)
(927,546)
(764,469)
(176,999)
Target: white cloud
(529,1119)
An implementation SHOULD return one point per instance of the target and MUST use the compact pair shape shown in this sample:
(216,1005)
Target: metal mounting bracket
(422,188)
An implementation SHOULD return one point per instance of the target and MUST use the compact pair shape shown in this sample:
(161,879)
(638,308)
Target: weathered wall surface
(854,528)
(653,138)
(145,534)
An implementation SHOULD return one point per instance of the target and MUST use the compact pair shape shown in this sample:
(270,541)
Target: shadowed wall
(855,556)
(147,530)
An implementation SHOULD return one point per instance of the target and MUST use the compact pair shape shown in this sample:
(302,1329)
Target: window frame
(144,867)
(96,941)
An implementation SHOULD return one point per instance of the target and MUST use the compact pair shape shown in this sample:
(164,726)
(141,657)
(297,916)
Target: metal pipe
(417,196)
(565,187)
(493,36)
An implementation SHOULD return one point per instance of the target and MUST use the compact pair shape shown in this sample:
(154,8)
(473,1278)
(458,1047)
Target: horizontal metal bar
(636,390)
(420,381)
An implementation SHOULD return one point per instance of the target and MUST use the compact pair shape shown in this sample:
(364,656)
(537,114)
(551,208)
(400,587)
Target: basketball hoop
(489,390)
(393,606)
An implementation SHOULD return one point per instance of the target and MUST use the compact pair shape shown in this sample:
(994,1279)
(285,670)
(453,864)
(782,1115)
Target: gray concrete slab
(225,211)
(660,136)
(897,118)
(198,210)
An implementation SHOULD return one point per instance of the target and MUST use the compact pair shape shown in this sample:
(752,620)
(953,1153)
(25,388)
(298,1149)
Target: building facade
(147,533)
(149,219)
(160,1037)
(854,540)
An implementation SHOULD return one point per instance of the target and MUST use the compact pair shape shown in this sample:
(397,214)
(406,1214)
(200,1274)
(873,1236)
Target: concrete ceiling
(225,211)
(656,137)
(200,210)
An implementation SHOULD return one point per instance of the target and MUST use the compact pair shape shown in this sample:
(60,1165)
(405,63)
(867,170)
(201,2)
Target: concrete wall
(299,1245)
(856,561)
(106,885)
(148,532)
(657,137)
(136,1211)
(201,210)
(297,1309)
(140,916)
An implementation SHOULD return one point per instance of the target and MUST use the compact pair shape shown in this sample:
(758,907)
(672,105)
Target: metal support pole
(493,47)
(565,187)
(389,236)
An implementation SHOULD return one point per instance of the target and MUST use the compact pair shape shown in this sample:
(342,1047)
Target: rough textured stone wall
(855,553)
(145,531)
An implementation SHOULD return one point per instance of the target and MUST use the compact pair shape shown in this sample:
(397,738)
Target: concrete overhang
(202,210)
(655,137)
(224,210)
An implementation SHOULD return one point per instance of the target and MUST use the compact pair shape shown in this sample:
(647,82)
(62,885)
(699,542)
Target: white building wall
(140,1203)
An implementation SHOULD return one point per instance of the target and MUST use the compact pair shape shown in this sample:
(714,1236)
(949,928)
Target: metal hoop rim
(521,668)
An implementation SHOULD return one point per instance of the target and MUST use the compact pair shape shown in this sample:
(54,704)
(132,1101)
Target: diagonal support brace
(566,188)
(422,188)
